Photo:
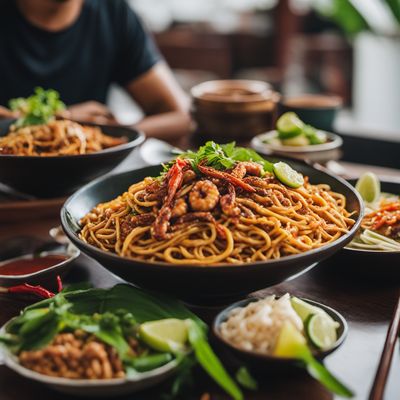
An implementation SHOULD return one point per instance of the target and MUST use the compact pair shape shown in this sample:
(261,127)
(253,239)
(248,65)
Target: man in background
(81,47)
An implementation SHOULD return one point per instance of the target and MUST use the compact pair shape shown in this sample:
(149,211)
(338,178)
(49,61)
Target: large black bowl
(60,175)
(199,282)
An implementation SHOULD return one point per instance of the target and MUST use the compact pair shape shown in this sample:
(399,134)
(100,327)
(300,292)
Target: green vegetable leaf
(244,377)
(210,362)
(147,363)
(321,374)
(38,108)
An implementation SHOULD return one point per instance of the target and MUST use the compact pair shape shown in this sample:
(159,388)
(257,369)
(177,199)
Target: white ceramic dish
(316,152)
(91,387)
(45,275)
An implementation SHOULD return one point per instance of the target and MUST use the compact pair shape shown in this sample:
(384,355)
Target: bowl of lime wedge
(293,138)
(283,334)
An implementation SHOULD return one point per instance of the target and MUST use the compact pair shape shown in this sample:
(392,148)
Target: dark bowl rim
(70,250)
(366,251)
(336,315)
(115,149)
(337,102)
(65,216)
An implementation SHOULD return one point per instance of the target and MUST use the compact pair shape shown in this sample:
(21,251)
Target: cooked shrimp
(189,176)
(180,208)
(161,224)
(204,196)
(246,167)
(227,202)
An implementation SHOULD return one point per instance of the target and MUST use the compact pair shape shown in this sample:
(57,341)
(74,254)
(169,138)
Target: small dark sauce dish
(272,364)
(66,254)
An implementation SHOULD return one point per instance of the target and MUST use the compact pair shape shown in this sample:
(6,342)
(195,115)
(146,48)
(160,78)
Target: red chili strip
(27,288)
(59,284)
(225,176)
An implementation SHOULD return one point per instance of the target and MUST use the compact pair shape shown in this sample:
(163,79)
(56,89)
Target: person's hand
(5,113)
(90,111)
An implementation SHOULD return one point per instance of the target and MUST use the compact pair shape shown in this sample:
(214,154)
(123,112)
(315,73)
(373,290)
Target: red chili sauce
(25,266)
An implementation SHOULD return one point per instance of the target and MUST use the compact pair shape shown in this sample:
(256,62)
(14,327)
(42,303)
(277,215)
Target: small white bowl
(45,276)
(316,152)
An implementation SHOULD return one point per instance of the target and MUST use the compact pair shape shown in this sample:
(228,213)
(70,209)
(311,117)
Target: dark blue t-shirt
(106,44)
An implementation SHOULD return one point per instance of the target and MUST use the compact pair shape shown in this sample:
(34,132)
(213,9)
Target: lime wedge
(289,125)
(290,343)
(321,332)
(314,136)
(287,175)
(299,140)
(304,310)
(169,334)
(369,187)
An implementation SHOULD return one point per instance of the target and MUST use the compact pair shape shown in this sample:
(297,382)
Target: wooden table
(367,306)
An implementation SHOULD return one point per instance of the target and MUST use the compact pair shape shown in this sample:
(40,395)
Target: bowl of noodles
(43,156)
(54,159)
(219,222)
(375,250)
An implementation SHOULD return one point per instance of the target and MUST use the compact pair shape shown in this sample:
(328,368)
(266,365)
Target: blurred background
(350,48)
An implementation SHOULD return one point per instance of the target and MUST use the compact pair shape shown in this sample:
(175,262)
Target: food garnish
(292,131)
(380,227)
(111,333)
(289,125)
(287,175)
(37,109)
(272,326)
(369,187)
(222,204)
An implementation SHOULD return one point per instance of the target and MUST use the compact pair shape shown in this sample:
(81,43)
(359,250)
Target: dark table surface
(367,306)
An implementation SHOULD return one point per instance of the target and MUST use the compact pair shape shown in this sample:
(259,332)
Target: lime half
(165,335)
(289,125)
(369,187)
(321,332)
(290,343)
(287,175)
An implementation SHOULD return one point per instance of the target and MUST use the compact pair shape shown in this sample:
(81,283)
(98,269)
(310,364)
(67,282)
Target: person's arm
(164,103)
(5,113)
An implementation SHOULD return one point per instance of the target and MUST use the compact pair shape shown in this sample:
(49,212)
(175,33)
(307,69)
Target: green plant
(356,16)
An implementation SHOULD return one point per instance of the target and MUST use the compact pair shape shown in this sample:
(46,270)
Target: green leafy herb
(244,377)
(147,363)
(321,373)
(38,108)
(183,382)
(210,362)
(222,156)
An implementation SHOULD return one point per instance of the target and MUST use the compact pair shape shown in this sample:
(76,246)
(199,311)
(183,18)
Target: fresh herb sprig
(224,156)
(38,108)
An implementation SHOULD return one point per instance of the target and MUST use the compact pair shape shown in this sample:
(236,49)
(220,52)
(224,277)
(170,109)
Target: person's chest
(78,62)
